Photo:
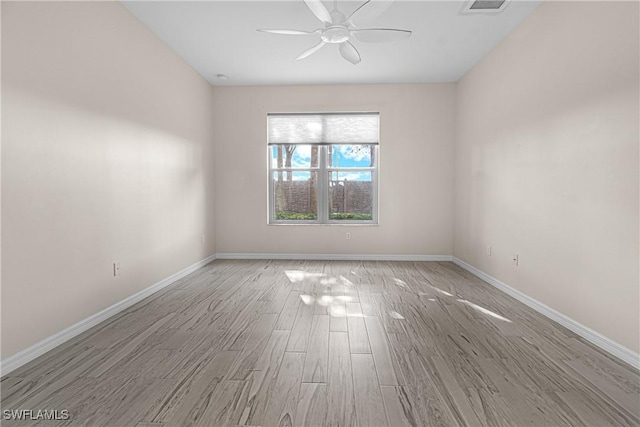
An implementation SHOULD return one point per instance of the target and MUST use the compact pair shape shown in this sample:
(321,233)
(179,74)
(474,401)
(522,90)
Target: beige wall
(547,163)
(107,155)
(417,131)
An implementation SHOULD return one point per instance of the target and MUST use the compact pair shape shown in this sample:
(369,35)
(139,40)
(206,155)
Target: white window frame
(322,191)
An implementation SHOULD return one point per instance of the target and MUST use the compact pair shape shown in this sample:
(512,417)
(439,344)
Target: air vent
(485,6)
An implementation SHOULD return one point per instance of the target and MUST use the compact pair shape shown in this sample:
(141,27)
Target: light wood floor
(266,343)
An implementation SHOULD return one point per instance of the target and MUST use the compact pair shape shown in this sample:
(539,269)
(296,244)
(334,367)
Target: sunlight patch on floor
(346,281)
(337,311)
(484,310)
(325,300)
(399,282)
(307,299)
(441,291)
(329,281)
(299,275)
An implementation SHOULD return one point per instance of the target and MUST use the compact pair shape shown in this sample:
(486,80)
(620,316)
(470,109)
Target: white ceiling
(220,37)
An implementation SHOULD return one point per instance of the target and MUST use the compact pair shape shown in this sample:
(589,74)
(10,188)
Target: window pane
(350,156)
(351,196)
(294,156)
(295,196)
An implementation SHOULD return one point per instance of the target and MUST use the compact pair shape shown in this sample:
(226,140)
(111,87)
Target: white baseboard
(333,257)
(621,352)
(22,357)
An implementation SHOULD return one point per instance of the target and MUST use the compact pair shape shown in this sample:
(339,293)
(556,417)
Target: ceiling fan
(339,29)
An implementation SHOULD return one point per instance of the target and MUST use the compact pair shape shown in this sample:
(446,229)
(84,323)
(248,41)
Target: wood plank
(312,405)
(283,402)
(368,305)
(338,313)
(425,399)
(187,368)
(381,352)
(606,386)
(358,338)
(385,309)
(397,406)
(262,381)
(340,385)
(129,347)
(591,410)
(277,302)
(124,399)
(288,313)
(316,361)
(196,401)
(455,394)
(368,398)
(225,406)
(299,338)
(236,336)
(32,391)
(522,406)
(253,348)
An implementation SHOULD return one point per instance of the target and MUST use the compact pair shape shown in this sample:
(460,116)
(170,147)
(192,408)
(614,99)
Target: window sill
(339,224)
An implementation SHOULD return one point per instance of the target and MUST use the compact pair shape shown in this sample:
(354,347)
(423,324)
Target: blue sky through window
(343,156)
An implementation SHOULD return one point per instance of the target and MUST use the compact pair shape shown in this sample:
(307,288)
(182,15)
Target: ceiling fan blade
(349,52)
(319,10)
(370,10)
(310,51)
(289,32)
(380,35)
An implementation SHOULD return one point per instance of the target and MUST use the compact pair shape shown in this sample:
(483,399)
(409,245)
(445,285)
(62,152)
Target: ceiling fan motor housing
(335,34)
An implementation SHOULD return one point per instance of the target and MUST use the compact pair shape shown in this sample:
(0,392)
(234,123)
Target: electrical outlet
(516,259)
(489,250)
(116,269)
(348,236)
(202,239)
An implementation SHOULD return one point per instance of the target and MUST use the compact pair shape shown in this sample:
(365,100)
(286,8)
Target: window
(323,168)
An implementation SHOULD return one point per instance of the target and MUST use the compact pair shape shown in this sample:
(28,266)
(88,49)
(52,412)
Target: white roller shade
(328,128)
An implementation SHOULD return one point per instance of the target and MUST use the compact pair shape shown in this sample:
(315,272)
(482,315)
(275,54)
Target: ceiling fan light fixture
(335,34)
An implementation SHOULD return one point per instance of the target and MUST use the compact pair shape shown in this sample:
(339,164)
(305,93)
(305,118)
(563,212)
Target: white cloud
(301,157)
(355,152)
(303,151)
